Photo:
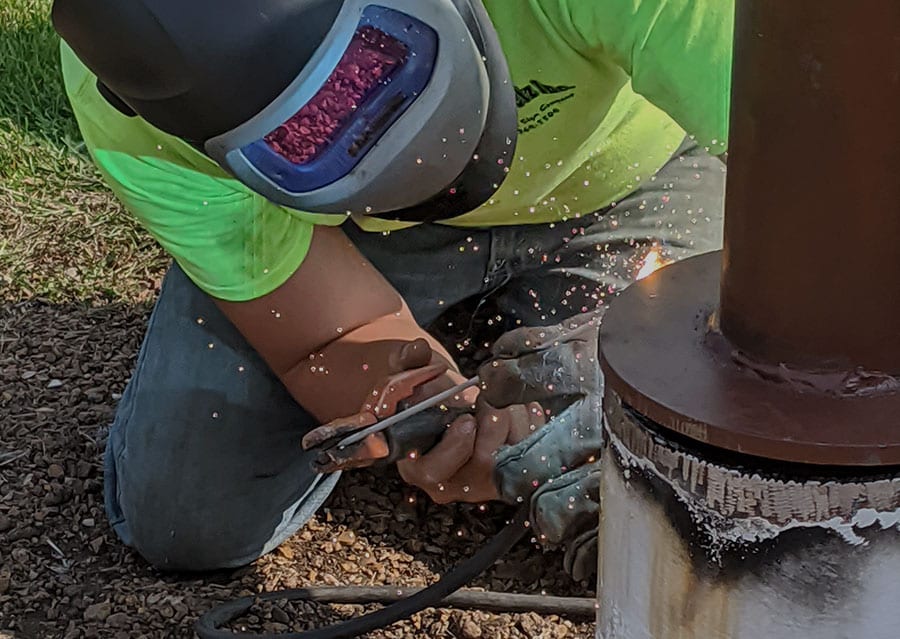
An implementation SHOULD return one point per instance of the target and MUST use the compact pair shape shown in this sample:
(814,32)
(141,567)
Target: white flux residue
(726,531)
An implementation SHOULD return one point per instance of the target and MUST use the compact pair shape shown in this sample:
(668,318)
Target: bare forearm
(333,381)
(330,331)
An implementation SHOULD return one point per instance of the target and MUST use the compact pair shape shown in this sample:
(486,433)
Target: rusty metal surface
(659,354)
(812,225)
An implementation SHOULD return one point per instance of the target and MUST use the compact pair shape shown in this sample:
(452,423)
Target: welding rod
(409,412)
(450,392)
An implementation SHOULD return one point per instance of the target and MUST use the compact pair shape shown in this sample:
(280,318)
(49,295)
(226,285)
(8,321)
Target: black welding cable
(210,624)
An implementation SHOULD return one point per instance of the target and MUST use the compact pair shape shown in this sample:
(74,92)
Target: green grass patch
(34,104)
(63,236)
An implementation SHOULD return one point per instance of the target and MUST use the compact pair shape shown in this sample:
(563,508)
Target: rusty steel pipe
(787,345)
(751,466)
(811,268)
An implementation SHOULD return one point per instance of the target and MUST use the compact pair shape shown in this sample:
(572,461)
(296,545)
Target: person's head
(401,107)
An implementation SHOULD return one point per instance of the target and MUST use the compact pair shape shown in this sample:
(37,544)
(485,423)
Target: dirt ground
(63,574)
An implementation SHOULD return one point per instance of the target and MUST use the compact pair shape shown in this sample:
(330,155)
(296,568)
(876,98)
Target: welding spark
(652,263)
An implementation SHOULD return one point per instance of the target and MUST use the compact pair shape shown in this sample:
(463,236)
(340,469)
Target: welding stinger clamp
(379,434)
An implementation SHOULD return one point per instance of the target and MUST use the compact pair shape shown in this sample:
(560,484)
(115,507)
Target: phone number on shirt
(546,113)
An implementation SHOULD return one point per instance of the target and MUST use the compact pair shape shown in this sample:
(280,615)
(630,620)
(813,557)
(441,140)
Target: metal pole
(751,465)
(811,273)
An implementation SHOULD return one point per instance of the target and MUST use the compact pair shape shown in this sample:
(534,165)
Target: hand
(566,512)
(544,363)
(557,366)
(410,379)
(461,467)
(556,468)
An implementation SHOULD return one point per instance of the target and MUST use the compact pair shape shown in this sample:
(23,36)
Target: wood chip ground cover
(63,574)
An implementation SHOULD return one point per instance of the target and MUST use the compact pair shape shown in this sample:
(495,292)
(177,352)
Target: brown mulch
(63,573)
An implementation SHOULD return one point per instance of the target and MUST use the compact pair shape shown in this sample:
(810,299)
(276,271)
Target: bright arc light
(652,263)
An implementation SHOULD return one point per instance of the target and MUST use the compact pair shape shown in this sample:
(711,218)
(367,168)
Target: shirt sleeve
(233,244)
(230,241)
(677,52)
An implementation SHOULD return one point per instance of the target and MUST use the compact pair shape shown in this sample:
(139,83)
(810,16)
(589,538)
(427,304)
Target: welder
(329,177)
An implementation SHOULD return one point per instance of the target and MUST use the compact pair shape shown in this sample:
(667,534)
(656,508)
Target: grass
(63,236)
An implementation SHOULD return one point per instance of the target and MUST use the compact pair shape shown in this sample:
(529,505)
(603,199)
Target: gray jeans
(203,465)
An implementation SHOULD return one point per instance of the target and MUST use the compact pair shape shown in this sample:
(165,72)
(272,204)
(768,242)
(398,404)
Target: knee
(203,529)
(189,544)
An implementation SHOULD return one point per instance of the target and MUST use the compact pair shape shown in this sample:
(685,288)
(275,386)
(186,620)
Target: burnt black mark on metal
(833,568)
(823,570)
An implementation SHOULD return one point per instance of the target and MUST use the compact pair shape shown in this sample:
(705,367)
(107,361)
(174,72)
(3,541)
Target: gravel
(63,574)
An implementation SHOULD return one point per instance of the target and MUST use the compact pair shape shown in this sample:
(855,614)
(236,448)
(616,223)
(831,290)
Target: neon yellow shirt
(605,92)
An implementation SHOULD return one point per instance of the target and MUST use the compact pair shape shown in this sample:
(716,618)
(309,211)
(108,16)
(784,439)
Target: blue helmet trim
(382,107)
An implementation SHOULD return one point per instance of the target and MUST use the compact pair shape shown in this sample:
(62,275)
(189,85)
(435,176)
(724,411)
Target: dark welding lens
(384,68)
(370,60)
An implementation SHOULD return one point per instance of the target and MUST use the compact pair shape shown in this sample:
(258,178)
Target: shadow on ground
(63,574)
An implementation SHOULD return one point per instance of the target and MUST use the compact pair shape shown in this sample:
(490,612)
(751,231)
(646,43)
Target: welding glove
(566,512)
(557,467)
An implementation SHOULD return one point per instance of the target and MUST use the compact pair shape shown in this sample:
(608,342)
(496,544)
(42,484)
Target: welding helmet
(401,108)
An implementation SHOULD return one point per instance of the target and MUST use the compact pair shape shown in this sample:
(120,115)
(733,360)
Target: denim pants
(203,466)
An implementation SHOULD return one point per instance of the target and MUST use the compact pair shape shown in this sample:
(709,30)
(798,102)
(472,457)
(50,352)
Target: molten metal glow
(652,263)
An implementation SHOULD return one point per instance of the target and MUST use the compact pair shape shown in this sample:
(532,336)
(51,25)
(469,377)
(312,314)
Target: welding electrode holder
(414,435)
(415,429)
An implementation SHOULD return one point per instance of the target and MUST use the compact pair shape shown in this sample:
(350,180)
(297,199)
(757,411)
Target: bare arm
(331,332)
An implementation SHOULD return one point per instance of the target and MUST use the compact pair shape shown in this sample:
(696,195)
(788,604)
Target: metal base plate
(660,355)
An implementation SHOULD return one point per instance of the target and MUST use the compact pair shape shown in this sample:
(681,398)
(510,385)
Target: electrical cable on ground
(442,593)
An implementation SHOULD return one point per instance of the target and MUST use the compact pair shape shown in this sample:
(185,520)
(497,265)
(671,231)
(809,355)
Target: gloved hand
(461,466)
(556,467)
(566,512)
